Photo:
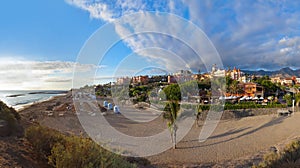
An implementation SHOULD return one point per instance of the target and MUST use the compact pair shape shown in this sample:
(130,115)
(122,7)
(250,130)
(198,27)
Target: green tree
(173,92)
(270,88)
(170,114)
(288,99)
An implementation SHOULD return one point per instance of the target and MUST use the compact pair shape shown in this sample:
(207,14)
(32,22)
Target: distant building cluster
(181,76)
(245,82)
(286,81)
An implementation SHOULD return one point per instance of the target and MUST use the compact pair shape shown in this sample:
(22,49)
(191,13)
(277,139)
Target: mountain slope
(284,72)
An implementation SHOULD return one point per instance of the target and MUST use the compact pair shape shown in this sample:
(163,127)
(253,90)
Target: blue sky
(44,30)
(40,40)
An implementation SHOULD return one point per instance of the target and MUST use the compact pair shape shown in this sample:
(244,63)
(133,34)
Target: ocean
(21,98)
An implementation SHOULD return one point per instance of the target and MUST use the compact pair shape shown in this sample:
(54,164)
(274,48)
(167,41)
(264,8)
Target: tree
(173,92)
(288,99)
(270,88)
(170,113)
(198,114)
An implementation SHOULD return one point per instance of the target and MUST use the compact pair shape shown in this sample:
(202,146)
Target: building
(298,80)
(275,80)
(216,72)
(171,79)
(287,81)
(253,89)
(140,80)
(123,81)
(181,76)
(236,74)
(207,76)
(159,78)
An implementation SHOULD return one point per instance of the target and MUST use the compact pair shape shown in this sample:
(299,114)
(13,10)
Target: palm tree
(198,114)
(170,113)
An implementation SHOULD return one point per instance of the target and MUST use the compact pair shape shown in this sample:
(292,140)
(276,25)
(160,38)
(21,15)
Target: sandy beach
(234,142)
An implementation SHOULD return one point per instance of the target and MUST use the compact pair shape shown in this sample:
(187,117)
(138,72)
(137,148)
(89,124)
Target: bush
(43,139)
(10,115)
(72,151)
(290,157)
(79,152)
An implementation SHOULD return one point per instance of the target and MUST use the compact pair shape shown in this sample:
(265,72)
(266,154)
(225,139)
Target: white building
(298,80)
(216,72)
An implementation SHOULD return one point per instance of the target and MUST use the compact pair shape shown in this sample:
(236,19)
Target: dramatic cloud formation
(23,74)
(248,34)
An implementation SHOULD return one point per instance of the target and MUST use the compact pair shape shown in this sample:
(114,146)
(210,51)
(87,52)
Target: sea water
(21,98)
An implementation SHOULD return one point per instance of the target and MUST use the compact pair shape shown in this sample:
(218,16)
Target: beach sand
(234,142)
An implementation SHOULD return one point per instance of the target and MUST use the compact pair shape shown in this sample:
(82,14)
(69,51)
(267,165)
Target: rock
(4,128)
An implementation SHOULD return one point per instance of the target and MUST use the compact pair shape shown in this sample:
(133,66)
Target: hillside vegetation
(42,147)
(8,120)
(72,151)
(288,158)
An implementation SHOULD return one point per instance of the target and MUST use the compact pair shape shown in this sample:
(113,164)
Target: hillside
(284,72)
(15,151)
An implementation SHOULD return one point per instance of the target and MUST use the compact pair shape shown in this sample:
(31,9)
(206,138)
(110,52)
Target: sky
(42,41)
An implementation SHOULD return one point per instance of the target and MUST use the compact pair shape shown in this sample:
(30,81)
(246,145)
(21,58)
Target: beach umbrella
(255,98)
(261,98)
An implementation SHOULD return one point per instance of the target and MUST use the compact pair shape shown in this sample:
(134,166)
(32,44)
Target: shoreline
(25,106)
(20,99)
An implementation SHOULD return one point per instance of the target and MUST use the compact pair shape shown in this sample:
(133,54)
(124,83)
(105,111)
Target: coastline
(25,106)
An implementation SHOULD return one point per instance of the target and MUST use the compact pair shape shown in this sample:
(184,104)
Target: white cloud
(109,10)
(250,34)
(23,74)
(285,50)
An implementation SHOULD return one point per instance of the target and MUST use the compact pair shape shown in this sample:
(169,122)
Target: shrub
(79,152)
(10,115)
(72,151)
(290,157)
(43,139)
